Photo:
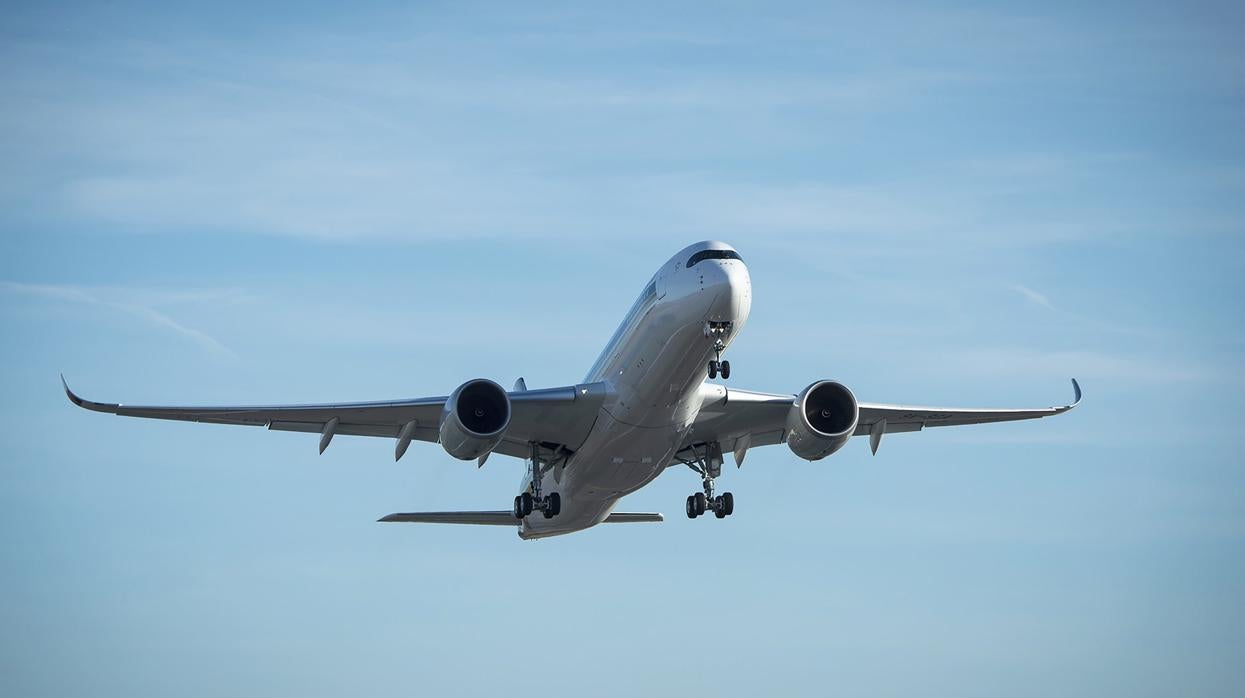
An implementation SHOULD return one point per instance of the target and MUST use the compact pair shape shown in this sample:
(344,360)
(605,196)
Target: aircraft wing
(552,417)
(741,419)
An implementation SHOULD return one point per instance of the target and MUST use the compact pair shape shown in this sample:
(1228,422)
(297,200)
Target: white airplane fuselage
(653,367)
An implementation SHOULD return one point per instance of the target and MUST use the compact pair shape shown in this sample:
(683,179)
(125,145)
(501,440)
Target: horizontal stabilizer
(474,518)
(498,518)
(627,517)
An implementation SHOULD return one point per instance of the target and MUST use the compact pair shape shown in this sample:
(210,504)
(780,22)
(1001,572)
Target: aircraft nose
(730,277)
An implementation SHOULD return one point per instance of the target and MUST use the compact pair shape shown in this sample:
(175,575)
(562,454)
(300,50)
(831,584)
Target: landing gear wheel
(527,502)
(713,369)
(706,461)
(726,369)
(518,507)
(554,506)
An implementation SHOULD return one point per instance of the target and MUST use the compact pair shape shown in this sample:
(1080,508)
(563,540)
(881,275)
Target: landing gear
(549,505)
(523,505)
(722,506)
(718,331)
(553,505)
(709,465)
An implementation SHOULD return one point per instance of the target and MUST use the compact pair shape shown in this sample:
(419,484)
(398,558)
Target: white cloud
(153,317)
(1083,364)
(477,132)
(1033,296)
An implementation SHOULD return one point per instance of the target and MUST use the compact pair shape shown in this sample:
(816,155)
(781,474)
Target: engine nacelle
(821,420)
(474,419)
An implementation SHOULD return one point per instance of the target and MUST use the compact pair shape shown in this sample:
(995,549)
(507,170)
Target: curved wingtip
(86,404)
(69,393)
(1076,398)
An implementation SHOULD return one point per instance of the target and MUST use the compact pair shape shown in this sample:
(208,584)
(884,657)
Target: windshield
(712,254)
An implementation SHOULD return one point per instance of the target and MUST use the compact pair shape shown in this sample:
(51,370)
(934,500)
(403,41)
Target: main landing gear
(549,505)
(709,465)
(717,331)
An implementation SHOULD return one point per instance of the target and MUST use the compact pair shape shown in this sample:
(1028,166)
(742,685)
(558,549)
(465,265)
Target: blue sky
(954,204)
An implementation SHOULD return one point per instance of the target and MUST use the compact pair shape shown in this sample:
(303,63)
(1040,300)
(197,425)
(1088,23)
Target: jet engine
(474,419)
(821,420)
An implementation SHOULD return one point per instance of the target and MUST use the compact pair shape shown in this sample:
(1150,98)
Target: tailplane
(500,518)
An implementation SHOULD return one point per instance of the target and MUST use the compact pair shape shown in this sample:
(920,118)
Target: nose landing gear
(718,331)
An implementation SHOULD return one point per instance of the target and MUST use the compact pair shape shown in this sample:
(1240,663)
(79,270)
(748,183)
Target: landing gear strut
(717,331)
(549,505)
(709,465)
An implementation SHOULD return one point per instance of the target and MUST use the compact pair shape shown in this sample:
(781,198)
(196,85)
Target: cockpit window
(712,254)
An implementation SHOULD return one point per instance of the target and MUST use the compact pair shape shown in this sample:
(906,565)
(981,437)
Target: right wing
(907,418)
(551,417)
(737,420)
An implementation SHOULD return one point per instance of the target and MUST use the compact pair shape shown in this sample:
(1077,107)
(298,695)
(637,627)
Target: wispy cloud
(146,313)
(1033,296)
(564,128)
(369,143)
(1086,365)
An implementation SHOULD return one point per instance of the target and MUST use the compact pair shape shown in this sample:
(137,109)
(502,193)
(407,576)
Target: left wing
(739,419)
(552,417)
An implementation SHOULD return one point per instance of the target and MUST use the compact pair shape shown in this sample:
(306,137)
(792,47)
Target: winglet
(1076,398)
(69,393)
(87,404)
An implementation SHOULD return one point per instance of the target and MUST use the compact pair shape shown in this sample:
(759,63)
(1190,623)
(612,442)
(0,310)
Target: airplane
(646,405)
